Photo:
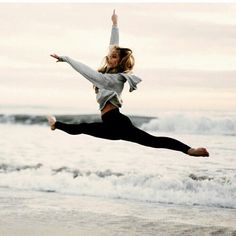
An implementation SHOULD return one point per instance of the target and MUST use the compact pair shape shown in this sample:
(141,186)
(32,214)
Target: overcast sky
(185,53)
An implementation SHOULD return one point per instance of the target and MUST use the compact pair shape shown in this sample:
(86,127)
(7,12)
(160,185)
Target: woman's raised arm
(114,39)
(114,18)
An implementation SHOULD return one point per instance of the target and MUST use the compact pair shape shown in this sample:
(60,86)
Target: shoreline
(42,213)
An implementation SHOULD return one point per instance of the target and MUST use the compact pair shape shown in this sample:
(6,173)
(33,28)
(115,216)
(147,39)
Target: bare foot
(51,122)
(198,152)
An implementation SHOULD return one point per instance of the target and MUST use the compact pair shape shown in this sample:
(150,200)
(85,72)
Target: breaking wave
(189,189)
(195,124)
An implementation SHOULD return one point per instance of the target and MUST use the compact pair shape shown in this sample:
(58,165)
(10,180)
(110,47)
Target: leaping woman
(108,83)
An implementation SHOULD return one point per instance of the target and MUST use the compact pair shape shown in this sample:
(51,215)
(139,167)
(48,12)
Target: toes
(205,152)
(51,122)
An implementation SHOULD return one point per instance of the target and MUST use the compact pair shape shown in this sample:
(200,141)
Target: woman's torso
(108,107)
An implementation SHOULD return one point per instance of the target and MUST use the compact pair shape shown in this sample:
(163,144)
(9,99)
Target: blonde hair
(126,62)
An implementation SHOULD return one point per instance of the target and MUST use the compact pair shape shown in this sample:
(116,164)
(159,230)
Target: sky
(184,53)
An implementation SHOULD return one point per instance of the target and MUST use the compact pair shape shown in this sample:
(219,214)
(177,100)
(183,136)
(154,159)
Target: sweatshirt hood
(133,80)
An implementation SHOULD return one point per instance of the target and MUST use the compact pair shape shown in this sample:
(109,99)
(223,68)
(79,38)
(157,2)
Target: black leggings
(116,126)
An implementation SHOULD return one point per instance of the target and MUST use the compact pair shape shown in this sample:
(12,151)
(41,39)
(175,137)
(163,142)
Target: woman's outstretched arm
(100,80)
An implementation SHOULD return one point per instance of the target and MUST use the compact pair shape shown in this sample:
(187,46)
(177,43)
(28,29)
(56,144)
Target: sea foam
(195,124)
(189,189)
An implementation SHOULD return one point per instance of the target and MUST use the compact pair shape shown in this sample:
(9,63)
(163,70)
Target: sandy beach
(41,213)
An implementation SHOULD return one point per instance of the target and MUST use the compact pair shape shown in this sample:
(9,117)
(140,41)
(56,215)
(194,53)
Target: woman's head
(118,60)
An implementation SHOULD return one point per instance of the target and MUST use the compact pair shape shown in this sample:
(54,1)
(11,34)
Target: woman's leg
(136,135)
(96,129)
(124,129)
(129,132)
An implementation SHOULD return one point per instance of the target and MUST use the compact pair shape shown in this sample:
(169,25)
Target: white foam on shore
(170,189)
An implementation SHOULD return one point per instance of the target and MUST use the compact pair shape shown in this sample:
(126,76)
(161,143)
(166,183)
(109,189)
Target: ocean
(103,187)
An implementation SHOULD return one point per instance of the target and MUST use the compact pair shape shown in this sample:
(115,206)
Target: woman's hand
(56,56)
(114,18)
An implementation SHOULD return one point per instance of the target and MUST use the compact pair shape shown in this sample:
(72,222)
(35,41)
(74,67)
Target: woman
(108,83)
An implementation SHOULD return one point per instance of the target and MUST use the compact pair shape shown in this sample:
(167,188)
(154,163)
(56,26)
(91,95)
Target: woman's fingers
(55,56)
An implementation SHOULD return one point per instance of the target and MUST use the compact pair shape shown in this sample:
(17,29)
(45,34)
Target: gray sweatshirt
(110,86)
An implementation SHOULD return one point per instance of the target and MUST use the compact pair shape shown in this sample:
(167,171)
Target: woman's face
(113,58)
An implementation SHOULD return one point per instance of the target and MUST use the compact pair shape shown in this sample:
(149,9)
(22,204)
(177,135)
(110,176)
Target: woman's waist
(108,107)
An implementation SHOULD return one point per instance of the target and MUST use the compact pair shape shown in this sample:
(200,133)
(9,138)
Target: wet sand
(42,213)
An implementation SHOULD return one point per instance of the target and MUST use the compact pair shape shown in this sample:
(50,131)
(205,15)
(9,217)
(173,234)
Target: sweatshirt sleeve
(114,39)
(100,80)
